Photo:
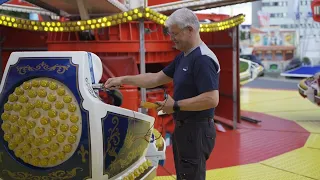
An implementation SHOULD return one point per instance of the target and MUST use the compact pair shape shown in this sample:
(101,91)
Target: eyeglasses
(175,34)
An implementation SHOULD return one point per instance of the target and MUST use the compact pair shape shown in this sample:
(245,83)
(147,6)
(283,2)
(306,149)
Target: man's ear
(166,30)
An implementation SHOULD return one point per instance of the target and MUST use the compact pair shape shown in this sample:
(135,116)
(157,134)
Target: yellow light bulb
(46,106)
(5,116)
(136,172)
(24,112)
(54,147)
(12,146)
(52,113)
(32,93)
(5,127)
(52,132)
(74,118)
(53,160)
(67,99)
(74,129)
(61,91)
(72,139)
(35,114)
(22,122)
(44,162)
(67,148)
(27,158)
(145,165)
(51,97)
(23,99)
(53,86)
(37,142)
(13,118)
(54,123)
(39,131)
(35,152)
(38,103)
(64,127)
(13,98)
(44,120)
(141,169)
(35,161)
(59,105)
(26,147)
(45,151)
(8,107)
(61,138)
(18,138)
(26,85)
(63,115)
(46,140)
(30,106)
(72,107)
(24,131)
(35,83)
(42,93)
(14,129)
(7,137)
(18,91)
(17,107)
(30,138)
(31,124)
(18,153)
(61,155)
(44,83)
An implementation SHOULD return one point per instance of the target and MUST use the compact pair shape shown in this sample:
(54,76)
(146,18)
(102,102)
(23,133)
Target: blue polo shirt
(193,74)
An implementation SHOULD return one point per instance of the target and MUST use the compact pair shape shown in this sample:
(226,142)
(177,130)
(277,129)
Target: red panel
(118,66)
(156,2)
(316,17)
(20,40)
(221,44)
(274,136)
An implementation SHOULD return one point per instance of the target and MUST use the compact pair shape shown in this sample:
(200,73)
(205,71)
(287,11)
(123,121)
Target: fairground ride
(111,38)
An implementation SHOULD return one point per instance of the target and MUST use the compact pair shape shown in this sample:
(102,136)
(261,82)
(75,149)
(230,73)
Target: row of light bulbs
(110,21)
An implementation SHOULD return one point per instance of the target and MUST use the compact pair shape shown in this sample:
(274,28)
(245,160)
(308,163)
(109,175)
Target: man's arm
(147,80)
(206,75)
(201,102)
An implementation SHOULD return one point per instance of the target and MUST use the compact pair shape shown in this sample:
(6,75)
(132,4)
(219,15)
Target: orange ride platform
(284,145)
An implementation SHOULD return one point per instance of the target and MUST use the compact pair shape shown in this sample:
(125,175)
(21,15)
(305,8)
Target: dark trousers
(193,143)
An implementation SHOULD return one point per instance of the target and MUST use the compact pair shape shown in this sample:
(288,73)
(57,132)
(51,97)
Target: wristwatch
(176,107)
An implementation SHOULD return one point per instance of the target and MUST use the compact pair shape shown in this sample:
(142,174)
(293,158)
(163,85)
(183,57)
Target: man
(195,73)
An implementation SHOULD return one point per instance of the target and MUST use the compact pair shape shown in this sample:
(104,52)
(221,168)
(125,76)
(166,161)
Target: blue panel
(125,139)
(3,1)
(306,70)
(60,69)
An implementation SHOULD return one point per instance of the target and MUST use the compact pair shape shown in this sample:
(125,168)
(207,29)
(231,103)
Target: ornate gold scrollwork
(114,139)
(43,67)
(58,175)
(83,152)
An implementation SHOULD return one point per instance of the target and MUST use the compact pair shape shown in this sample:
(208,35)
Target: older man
(195,73)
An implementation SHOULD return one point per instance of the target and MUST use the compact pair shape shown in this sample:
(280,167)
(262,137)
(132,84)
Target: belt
(196,120)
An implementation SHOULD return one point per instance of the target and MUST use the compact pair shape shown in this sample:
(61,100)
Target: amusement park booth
(92,49)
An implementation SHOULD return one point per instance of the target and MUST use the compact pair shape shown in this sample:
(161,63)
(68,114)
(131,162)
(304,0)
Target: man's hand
(113,83)
(166,106)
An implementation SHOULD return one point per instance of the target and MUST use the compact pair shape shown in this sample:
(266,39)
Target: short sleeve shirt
(193,74)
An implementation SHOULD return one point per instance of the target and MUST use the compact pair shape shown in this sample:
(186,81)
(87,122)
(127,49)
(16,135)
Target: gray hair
(182,18)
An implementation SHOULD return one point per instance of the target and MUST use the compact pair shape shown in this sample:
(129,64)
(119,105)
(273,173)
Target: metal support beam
(143,91)
(82,10)
(235,75)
